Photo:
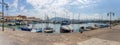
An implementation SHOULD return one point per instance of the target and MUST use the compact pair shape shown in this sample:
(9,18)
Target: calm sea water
(56,27)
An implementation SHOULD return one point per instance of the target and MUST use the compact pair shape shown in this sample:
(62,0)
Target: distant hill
(58,19)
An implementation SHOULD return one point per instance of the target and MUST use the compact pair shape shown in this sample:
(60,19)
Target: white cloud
(84,3)
(54,8)
(97,16)
(15,4)
(57,6)
(47,3)
(13,7)
(50,7)
(22,10)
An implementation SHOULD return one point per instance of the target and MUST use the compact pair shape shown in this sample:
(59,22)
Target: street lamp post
(2,15)
(3,12)
(110,14)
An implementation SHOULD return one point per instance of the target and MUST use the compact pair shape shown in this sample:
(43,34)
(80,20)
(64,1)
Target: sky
(73,9)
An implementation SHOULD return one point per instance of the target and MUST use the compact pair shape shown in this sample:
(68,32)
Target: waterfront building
(19,17)
(22,17)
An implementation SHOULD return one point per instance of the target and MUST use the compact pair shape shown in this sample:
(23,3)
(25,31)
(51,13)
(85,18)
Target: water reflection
(56,27)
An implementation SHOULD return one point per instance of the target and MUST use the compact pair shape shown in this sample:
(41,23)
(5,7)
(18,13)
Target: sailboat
(66,27)
(30,27)
(48,29)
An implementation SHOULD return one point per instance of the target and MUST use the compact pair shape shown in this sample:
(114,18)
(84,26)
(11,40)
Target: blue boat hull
(26,29)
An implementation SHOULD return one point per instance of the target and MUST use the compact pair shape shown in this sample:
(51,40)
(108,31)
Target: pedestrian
(81,29)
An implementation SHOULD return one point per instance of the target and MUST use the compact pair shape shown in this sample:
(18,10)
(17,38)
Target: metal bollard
(13,29)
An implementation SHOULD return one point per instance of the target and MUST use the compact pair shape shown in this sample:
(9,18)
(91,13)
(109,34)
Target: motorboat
(26,28)
(66,27)
(36,30)
(48,30)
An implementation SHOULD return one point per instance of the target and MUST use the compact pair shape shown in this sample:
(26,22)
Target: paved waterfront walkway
(94,37)
(5,40)
(97,41)
(110,38)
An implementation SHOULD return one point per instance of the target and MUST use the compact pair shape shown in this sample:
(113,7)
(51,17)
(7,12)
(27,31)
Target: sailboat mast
(55,15)
(78,17)
(73,19)
(47,20)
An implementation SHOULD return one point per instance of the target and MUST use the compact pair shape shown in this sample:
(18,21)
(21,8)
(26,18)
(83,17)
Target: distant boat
(65,23)
(91,27)
(18,23)
(11,24)
(37,30)
(102,25)
(66,27)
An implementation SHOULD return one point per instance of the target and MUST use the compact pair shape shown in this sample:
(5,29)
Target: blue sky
(85,9)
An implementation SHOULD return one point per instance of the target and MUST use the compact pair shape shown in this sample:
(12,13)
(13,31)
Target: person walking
(81,29)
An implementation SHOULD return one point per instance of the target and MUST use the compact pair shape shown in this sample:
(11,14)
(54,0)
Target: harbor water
(56,27)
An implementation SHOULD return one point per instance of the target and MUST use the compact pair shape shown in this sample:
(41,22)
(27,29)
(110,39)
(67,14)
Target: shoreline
(29,38)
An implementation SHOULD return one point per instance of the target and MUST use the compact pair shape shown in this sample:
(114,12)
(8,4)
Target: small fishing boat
(48,30)
(36,30)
